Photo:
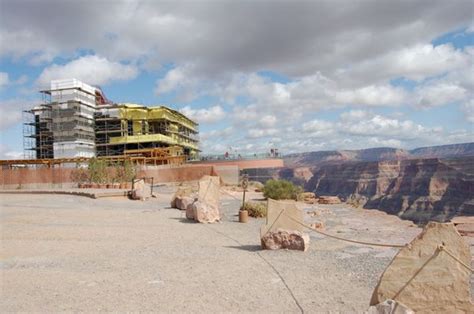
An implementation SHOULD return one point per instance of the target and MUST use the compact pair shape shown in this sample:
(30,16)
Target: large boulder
(183,202)
(141,190)
(204,212)
(209,190)
(190,212)
(285,239)
(429,275)
(181,192)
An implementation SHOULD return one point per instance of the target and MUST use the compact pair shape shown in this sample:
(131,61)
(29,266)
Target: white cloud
(268,121)
(468,109)
(91,69)
(204,32)
(315,126)
(10,111)
(439,93)
(22,79)
(383,95)
(172,80)
(259,133)
(204,115)
(364,123)
(415,63)
(4,79)
(7,153)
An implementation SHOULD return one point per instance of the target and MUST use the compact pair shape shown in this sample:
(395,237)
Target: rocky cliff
(312,159)
(415,189)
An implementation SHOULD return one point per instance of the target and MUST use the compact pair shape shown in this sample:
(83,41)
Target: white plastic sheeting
(73,149)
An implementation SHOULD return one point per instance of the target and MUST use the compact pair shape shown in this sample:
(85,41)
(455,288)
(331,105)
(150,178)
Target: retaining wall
(60,177)
(44,178)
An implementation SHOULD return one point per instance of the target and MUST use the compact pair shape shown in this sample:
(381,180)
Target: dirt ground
(70,253)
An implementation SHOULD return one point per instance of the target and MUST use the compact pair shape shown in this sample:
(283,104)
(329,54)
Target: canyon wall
(416,189)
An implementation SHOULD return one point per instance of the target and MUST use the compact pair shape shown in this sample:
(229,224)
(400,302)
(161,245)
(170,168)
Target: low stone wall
(40,178)
(44,178)
(177,174)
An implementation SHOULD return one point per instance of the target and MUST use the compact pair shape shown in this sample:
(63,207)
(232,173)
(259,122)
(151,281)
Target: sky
(294,75)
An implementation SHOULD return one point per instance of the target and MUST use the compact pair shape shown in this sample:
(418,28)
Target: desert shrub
(124,172)
(255,209)
(97,170)
(281,190)
(256,186)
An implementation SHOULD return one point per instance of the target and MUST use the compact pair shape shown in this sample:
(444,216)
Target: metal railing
(223,157)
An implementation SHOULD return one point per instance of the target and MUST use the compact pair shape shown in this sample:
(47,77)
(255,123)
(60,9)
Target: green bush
(254,209)
(97,170)
(281,190)
(125,172)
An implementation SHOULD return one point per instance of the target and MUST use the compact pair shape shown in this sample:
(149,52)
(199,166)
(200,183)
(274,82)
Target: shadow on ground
(250,248)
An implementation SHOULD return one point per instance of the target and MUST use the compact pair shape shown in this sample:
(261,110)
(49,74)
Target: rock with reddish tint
(190,212)
(317,225)
(183,202)
(329,200)
(204,212)
(181,192)
(141,191)
(285,239)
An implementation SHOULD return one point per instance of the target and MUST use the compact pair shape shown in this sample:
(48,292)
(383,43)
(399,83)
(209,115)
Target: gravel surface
(69,253)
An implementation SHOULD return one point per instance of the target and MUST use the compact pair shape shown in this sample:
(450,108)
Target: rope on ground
(344,239)
(444,249)
(269,264)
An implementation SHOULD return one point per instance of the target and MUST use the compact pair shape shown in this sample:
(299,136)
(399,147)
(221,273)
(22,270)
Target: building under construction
(76,120)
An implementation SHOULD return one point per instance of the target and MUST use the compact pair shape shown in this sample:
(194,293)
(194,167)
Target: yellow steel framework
(154,156)
(138,126)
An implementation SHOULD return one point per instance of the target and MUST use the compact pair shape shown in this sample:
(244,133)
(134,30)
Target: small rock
(285,239)
(317,225)
(389,307)
(329,200)
(314,213)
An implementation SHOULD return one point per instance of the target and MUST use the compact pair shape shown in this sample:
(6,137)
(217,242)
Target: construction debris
(431,274)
